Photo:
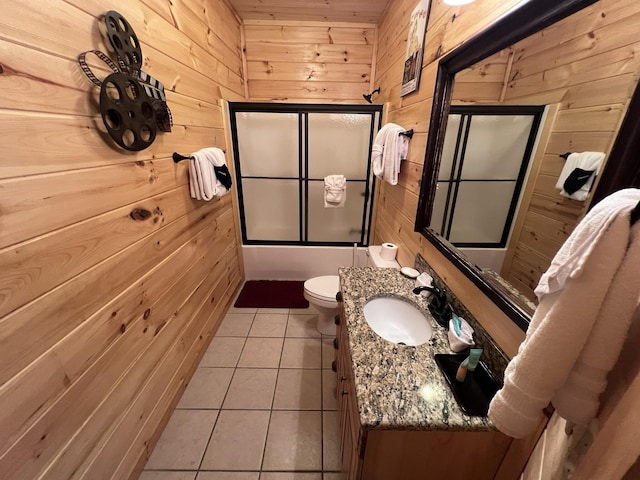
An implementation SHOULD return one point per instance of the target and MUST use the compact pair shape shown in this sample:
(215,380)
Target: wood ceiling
(358,11)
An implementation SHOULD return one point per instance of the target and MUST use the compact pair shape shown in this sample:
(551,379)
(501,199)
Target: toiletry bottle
(474,358)
(461,374)
(469,364)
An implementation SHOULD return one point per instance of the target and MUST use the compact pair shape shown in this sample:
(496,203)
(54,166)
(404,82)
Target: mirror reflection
(486,154)
(496,198)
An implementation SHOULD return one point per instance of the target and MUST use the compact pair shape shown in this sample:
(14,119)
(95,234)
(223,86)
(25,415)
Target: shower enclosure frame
(467,112)
(303,110)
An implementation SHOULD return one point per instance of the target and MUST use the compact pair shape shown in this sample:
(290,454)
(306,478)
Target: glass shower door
(268,144)
(282,154)
(484,161)
(338,144)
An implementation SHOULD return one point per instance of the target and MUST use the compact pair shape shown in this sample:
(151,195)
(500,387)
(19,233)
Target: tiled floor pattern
(260,406)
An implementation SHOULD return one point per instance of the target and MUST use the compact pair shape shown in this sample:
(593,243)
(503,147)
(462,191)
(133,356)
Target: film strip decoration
(124,41)
(133,104)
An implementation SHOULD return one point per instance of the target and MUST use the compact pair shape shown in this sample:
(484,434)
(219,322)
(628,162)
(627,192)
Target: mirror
(585,104)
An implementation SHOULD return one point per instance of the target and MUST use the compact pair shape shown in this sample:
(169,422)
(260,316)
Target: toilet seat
(323,289)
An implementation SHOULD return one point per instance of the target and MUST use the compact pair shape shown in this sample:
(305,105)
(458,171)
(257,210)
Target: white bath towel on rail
(335,191)
(586,161)
(577,330)
(203,182)
(389,149)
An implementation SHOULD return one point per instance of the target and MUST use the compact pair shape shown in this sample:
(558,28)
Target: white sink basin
(397,321)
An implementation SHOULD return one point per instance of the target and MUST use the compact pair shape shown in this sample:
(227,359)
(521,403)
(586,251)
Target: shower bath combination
(284,153)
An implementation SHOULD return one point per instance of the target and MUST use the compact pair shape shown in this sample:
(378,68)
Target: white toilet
(321,291)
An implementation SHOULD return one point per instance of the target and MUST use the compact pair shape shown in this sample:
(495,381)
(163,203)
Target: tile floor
(260,406)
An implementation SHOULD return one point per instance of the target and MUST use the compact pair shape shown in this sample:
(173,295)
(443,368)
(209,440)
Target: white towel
(573,254)
(335,191)
(388,150)
(585,161)
(565,356)
(578,399)
(203,184)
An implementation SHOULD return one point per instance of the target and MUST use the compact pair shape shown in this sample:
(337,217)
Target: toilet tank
(375,260)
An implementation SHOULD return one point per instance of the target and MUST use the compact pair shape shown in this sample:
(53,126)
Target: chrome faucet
(438,305)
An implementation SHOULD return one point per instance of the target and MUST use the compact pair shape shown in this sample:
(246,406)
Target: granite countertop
(398,387)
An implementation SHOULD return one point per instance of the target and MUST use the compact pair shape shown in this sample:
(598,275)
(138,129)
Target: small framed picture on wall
(415,43)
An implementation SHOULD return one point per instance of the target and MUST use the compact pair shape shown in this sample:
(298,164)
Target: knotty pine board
(166,350)
(56,143)
(341,34)
(66,195)
(68,359)
(23,334)
(46,261)
(319,62)
(334,10)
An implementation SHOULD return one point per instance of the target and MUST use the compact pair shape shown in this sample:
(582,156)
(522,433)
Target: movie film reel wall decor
(133,104)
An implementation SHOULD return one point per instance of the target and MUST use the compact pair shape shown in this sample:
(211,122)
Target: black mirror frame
(515,25)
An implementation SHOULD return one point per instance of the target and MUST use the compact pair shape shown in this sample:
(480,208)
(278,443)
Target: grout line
(321,407)
(273,399)
(224,398)
(235,368)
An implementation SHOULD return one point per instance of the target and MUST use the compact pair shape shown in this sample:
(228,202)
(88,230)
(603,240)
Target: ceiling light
(458,2)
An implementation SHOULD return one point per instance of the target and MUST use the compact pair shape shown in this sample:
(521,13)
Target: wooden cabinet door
(347,445)
(349,421)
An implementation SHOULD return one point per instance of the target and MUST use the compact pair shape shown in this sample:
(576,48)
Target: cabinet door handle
(336,320)
(335,343)
(343,378)
(334,366)
(344,392)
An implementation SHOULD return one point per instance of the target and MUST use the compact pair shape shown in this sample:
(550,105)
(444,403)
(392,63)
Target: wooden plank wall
(397,205)
(315,62)
(104,316)
(311,10)
(589,65)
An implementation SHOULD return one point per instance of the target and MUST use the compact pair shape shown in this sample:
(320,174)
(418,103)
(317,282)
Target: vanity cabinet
(353,438)
(405,454)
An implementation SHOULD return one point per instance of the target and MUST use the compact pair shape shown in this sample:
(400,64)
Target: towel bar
(408,133)
(565,155)
(178,158)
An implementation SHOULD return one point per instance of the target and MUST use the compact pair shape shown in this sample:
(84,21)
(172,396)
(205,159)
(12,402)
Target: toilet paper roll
(388,251)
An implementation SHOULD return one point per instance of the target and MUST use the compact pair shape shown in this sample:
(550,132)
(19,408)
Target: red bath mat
(272,294)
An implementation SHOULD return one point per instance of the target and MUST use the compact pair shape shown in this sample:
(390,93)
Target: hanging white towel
(335,191)
(203,183)
(571,258)
(387,152)
(590,161)
(571,343)
(578,399)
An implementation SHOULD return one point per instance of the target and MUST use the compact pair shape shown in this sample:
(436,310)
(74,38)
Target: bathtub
(268,262)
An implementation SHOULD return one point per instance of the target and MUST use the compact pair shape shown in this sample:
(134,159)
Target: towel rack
(565,155)
(408,133)
(178,158)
